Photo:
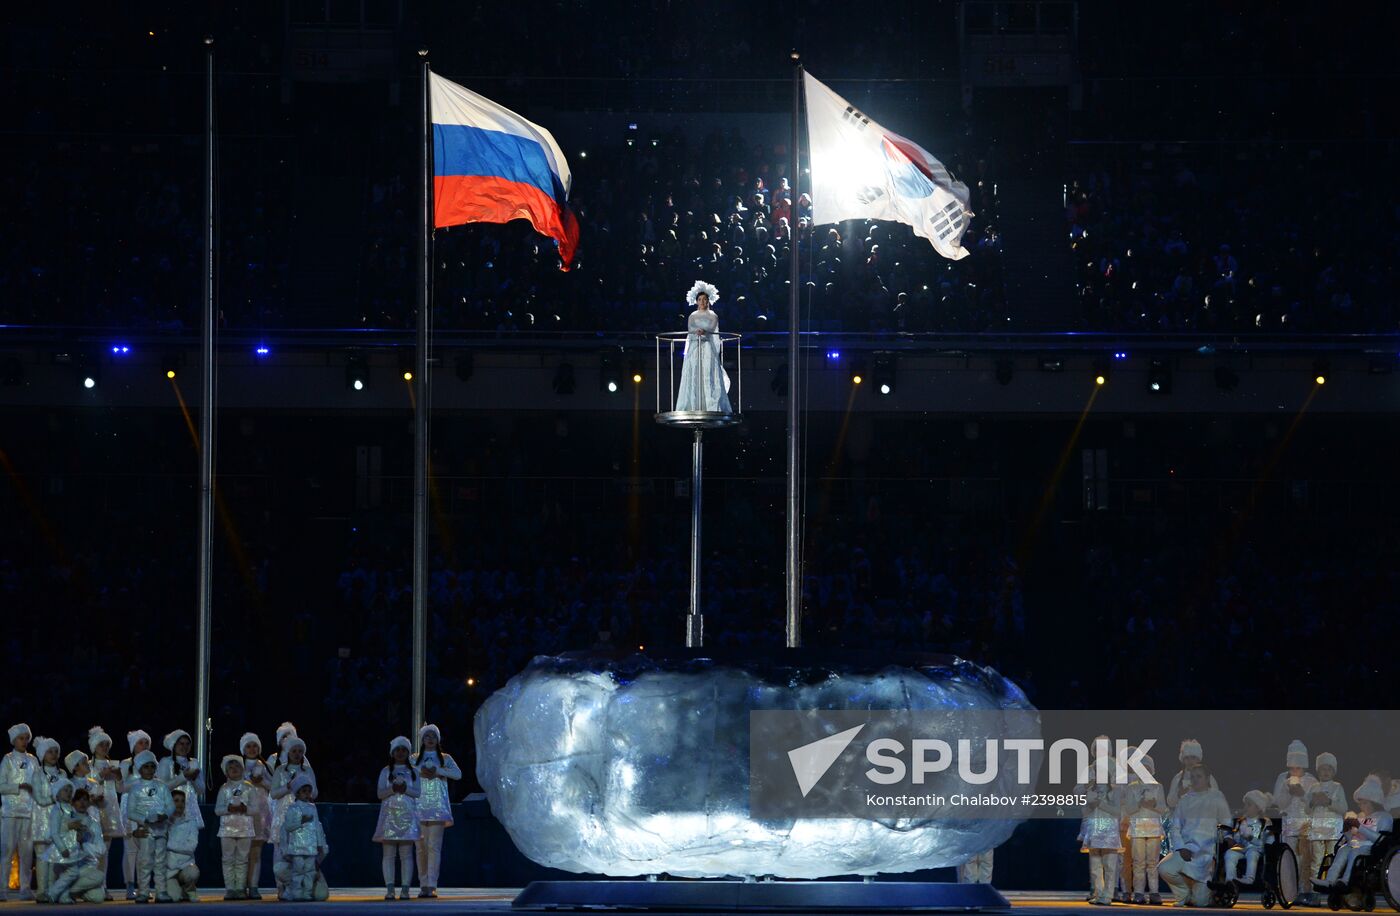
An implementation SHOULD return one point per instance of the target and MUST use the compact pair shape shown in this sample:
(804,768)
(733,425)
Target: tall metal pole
(203,724)
(420,421)
(794,520)
(695,621)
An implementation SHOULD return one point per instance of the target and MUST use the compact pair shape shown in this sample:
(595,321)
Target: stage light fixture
(261,351)
(609,372)
(120,349)
(1103,369)
(1006,369)
(1321,369)
(564,379)
(89,381)
(883,374)
(1159,377)
(636,378)
(1052,364)
(1226,379)
(357,371)
(171,363)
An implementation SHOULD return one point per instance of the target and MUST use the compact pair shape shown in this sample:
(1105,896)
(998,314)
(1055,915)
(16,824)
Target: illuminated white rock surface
(636,767)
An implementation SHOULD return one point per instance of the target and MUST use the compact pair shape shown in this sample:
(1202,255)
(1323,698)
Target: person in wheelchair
(1360,832)
(1245,841)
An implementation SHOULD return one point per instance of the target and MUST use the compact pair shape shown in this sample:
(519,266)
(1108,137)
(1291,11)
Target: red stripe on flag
(459,199)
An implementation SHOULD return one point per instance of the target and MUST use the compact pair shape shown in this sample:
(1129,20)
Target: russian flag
(490,165)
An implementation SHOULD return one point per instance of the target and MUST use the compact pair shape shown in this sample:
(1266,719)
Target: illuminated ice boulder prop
(637,766)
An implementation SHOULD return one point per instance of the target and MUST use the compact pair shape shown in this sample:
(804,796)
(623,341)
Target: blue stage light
(262,350)
(120,349)
(1120,355)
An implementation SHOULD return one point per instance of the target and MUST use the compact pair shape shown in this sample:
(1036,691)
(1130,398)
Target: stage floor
(496,900)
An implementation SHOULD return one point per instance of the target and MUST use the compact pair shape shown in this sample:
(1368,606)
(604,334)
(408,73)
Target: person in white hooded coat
(1190,865)
(80,874)
(1327,808)
(48,778)
(398,828)
(107,805)
(18,770)
(1190,755)
(1291,791)
(259,777)
(1360,830)
(181,844)
(300,841)
(149,809)
(435,767)
(1144,807)
(179,768)
(137,740)
(292,765)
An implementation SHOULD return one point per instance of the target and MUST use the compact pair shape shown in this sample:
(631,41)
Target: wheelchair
(1276,879)
(1376,872)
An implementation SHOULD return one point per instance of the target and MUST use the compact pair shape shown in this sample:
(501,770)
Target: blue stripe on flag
(462,150)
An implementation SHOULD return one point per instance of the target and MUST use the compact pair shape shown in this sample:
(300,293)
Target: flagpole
(203,725)
(794,521)
(420,420)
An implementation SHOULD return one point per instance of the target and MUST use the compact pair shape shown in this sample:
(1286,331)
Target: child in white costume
(1100,837)
(65,830)
(181,874)
(234,805)
(179,768)
(435,767)
(301,841)
(1191,756)
(398,828)
(259,776)
(46,781)
(1327,808)
(1247,838)
(77,872)
(149,808)
(1291,790)
(1193,824)
(18,770)
(1361,829)
(293,764)
(107,806)
(136,741)
(1144,806)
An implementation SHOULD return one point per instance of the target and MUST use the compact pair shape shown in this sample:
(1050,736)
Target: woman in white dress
(704,383)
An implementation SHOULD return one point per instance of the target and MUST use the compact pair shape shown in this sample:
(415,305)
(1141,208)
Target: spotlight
(833,358)
(406,364)
(1321,368)
(1102,370)
(408,375)
(1159,377)
(261,351)
(1226,379)
(357,371)
(609,376)
(884,373)
(636,370)
(564,379)
(1005,370)
(170,364)
(464,366)
(1052,364)
(636,378)
(89,381)
(120,349)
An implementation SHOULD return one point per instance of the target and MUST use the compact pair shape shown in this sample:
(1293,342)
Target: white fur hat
(96,736)
(1149,764)
(1260,798)
(141,760)
(1371,790)
(302,779)
(70,763)
(290,743)
(20,729)
(284,731)
(228,759)
(170,739)
(429,729)
(134,736)
(702,287)
(402,742)
(1326,759)
(1297,754)
(42,746)
(247,739)
(1190,748)
(58,785)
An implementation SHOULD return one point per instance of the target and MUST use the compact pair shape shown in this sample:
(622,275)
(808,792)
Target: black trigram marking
(860,121)
(949,221)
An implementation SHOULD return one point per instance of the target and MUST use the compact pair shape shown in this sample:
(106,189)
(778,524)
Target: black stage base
(760,896)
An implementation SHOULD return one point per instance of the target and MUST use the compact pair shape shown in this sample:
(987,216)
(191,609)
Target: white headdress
(702,287)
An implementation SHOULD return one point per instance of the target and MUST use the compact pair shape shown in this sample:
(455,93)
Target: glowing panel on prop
(637,766)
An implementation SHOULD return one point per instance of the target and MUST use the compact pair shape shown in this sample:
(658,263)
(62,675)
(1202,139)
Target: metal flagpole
(203,724)
(794,521)
(695,623)
(420,421)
